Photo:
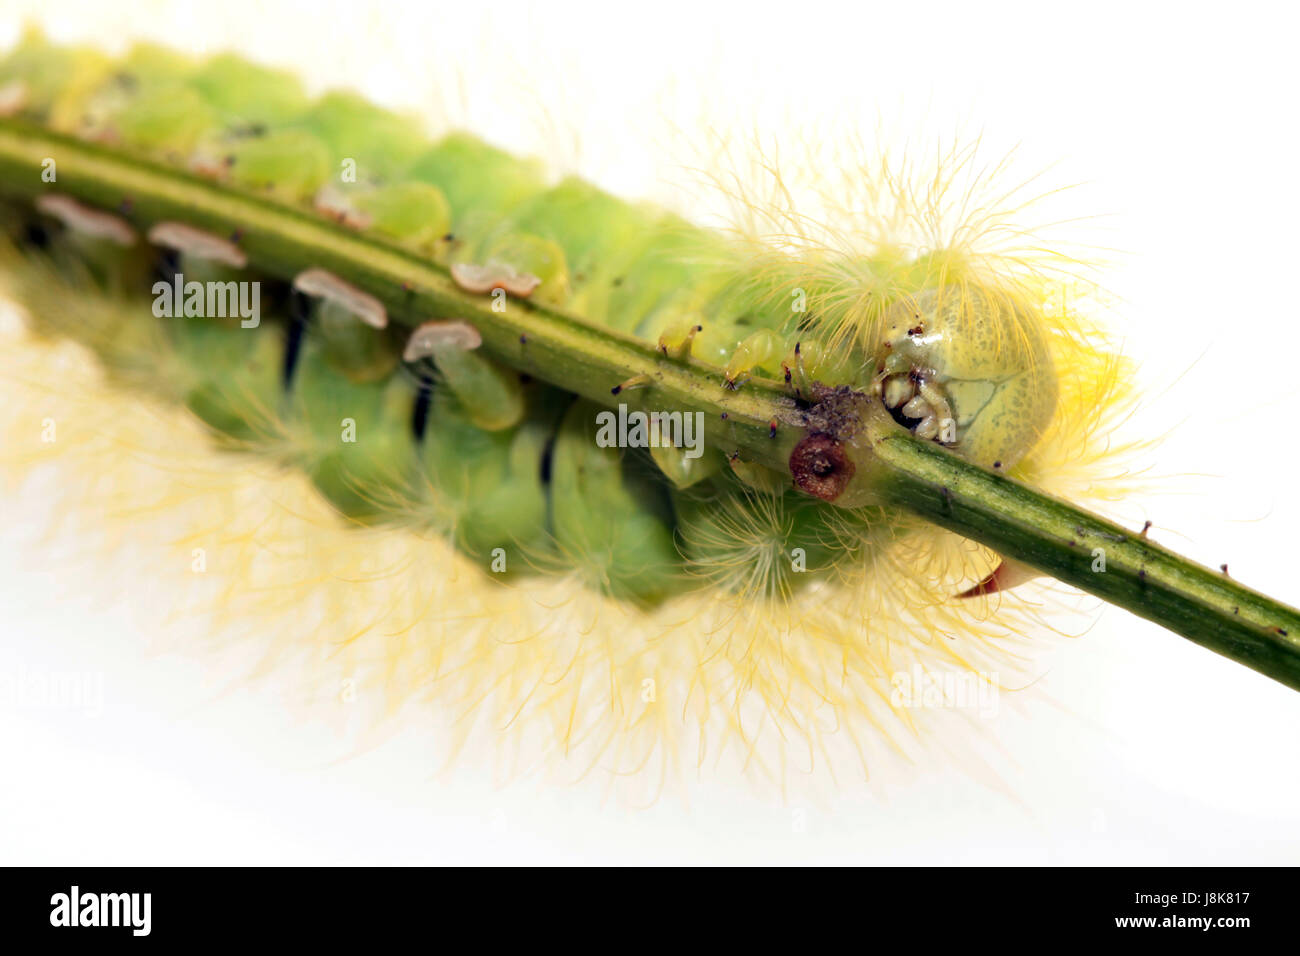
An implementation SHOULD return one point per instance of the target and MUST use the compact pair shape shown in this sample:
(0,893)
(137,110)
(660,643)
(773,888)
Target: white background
(1180,118)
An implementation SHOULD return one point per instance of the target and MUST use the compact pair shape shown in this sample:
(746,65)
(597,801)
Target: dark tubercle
(820,466)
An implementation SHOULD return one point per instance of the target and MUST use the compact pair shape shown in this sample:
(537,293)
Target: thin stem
(759,421)
(1072,545)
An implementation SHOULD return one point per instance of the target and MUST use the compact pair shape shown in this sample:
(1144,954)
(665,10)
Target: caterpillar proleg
(441,324)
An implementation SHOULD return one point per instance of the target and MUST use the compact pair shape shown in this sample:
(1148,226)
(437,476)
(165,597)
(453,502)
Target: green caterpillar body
(508,468)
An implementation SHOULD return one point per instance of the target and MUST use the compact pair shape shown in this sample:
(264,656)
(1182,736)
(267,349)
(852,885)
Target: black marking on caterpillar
(166,264)
(547,459)
(420,410)
(300,317)
(36,235)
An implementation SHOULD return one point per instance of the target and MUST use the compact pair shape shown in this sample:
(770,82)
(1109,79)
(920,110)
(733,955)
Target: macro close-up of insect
(358,442)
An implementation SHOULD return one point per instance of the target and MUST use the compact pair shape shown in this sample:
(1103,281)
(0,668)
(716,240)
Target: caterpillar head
(969,367)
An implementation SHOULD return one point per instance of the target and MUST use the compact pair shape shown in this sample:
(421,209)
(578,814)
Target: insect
(455,403)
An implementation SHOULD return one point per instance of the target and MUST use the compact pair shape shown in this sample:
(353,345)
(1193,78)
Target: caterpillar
(753,557)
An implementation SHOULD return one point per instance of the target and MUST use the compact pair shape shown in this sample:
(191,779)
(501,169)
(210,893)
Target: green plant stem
(1051,535)
(1074,545)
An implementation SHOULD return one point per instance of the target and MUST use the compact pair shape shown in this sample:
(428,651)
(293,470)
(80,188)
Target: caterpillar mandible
(379,365)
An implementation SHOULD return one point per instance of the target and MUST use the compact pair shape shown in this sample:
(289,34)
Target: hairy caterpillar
(485,476)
